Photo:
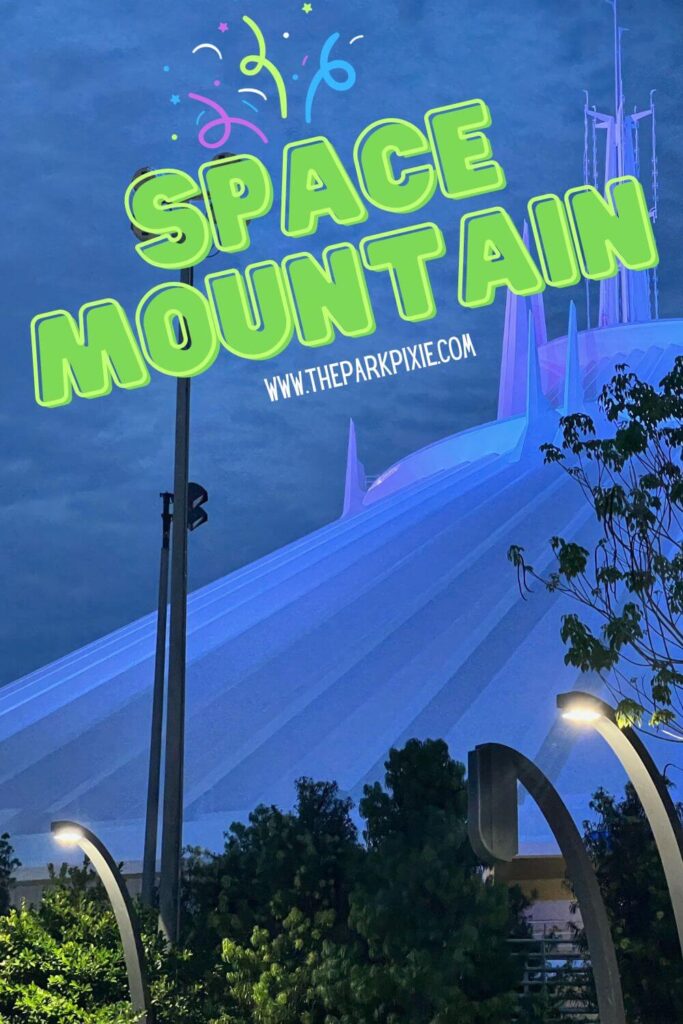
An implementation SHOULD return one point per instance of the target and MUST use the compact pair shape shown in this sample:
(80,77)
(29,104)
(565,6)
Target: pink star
(223,27)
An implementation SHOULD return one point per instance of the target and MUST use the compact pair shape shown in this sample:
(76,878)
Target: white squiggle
(259,92)
(208,46)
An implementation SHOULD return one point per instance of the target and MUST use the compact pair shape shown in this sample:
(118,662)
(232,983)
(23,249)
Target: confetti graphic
(324,74)
(213,132)
(208,46)
(259,92)
(254,63)
(223,121)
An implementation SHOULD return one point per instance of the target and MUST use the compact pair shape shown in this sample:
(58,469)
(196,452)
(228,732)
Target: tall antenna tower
(632,295)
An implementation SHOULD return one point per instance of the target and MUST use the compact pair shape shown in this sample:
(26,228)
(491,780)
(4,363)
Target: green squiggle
(253,63)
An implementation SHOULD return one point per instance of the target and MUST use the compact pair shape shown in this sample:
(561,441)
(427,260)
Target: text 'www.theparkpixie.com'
(362,369)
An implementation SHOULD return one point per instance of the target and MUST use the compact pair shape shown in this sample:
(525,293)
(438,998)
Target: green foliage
(324,930)
(433,932)
(634,889)
(8,862)
(272,902)
(630,585)
(62,963)
(296,921)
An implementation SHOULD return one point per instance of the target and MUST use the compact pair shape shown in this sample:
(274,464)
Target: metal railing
(558,977)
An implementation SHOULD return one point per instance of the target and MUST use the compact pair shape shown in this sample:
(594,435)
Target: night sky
(87,101)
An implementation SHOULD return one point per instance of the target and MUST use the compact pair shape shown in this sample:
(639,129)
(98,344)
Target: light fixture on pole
(493,773)
(187,515)
(584,709)
(70,833)
(172,821)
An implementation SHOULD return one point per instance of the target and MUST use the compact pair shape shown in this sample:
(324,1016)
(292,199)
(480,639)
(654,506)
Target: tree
(630,585)
(433,929)
(318,928)
(8,863)
(634,889)
(296,921)
(62,962)
(277,894)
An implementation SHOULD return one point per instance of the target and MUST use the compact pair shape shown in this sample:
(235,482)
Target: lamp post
(586,710)
(171,836)
(493,773)
(70,833)
(187,514)
(172,825)
(172,821)
(149,858)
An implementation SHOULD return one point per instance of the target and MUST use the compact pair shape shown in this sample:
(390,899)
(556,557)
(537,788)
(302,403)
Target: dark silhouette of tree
(320,928)
(634,889)
(8,864)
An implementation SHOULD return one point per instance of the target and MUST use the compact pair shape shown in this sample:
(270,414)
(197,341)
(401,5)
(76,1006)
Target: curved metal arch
(493,773)
(650,786)
(124,911)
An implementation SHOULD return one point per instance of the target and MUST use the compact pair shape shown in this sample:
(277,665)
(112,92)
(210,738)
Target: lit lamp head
(66,833)
(579,708)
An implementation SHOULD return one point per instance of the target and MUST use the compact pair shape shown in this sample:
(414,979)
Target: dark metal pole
(172,828)
(149,861)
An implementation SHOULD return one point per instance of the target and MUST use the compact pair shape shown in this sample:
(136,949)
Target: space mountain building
(401,619)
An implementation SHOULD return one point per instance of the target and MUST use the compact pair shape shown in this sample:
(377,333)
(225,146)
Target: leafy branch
(629,587)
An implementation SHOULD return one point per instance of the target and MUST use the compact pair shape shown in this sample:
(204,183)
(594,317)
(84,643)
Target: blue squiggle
(324,74)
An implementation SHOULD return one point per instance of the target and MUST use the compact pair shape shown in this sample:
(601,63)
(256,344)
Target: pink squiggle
(303,62)
(225,121)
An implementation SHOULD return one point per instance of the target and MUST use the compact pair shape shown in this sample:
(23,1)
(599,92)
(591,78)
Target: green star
(307,8)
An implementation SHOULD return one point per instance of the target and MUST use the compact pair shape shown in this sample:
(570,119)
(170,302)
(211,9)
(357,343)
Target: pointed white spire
(536,402)
(354,486)
(513,360)
(573,384)
(538,312)
(536,302)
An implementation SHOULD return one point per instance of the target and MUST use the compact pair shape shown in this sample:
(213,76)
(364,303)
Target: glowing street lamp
(584,709)
(70,833)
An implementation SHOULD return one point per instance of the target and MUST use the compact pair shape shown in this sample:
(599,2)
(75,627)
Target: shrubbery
(297,921)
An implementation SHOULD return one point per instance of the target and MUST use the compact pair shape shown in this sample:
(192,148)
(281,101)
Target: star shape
(307,8)
(223,26)
(175,99)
